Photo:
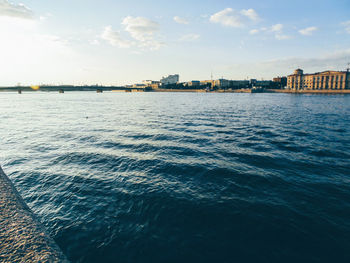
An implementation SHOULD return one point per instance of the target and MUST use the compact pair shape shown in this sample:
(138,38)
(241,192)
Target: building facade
(207,83)
(280,82)
(150,82)
(327,80)
(226,84)
(239,84)
(193,83)
(222,83)
(171,79)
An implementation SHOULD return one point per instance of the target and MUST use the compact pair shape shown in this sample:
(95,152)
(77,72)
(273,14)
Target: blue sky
(121,42)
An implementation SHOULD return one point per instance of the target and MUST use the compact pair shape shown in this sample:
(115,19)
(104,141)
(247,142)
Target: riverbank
(22,237)
(264,91)
(203,91)
(192,90)
(308,91)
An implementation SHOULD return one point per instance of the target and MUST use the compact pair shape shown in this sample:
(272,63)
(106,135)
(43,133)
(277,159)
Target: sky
(112,42)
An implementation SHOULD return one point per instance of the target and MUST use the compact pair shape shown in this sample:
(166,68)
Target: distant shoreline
(248,91)
(112,89)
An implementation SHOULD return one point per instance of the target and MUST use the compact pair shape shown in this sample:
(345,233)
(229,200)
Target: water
(184,177)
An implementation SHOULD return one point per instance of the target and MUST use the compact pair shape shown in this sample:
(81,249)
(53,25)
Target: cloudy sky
(114,42)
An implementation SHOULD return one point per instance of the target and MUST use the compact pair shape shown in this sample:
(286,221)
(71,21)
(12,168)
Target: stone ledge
(22,237)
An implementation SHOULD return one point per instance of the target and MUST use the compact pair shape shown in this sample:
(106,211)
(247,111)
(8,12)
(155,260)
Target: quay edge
(22,237)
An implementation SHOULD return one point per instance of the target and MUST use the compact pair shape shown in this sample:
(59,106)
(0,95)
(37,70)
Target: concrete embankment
(346,91)
(263,91)
(203,90)
(22,237)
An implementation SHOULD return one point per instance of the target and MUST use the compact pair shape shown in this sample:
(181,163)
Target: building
(261,83)
(171,79)
(280,82)
(221,83)
(239,84)
(154,85)
(226,84)
(139,86)
(151,84)
(207,83)
(326,80)
(193,83)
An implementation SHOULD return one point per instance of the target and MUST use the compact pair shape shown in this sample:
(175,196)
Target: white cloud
(232,18)
(151,44)
(276,28)
(250,13)
(189,37)
(140,28)
(308,31)
(227,17)
(180,20)
(114,38)
(15,10)
(254,31)
(143,30)
(282,37)
(94,42)
(45,17)
(346,25)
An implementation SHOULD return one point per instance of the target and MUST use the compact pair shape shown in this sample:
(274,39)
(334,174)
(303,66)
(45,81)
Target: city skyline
(118,43)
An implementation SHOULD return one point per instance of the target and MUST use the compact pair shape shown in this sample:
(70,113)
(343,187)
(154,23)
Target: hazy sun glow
(35,87)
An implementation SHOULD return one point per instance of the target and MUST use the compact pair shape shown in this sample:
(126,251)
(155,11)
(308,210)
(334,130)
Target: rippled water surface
(184,177)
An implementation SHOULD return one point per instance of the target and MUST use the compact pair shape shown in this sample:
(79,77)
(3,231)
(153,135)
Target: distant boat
(61,91)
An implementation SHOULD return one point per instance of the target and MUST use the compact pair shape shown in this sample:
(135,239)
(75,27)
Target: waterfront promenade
(22,237)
